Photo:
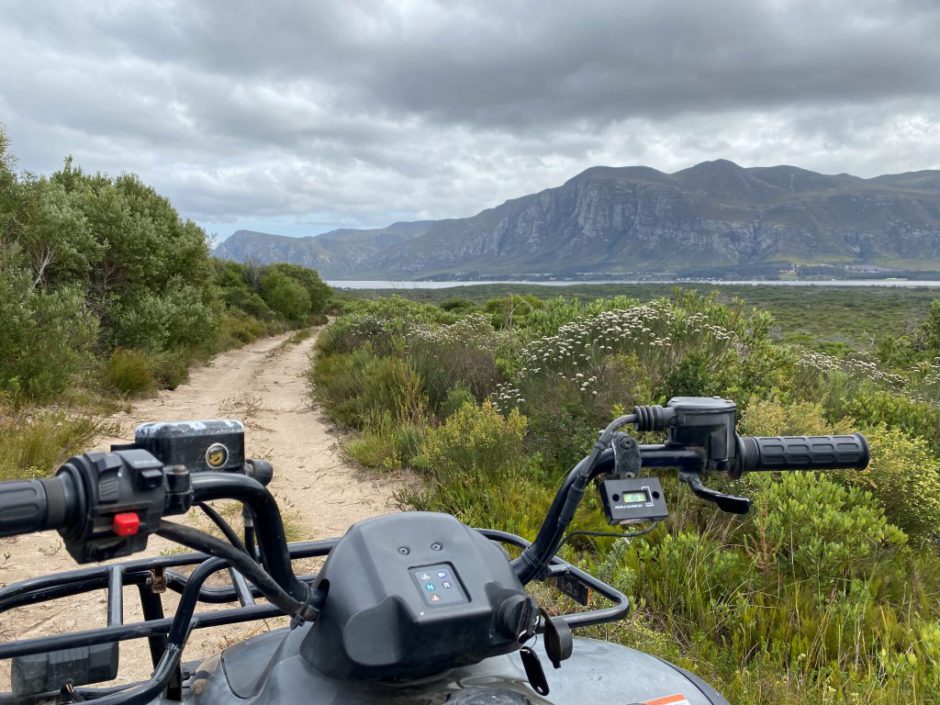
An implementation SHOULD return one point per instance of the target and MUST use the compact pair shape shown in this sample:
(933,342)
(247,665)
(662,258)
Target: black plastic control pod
(121,499)
(705,426)
(706,422)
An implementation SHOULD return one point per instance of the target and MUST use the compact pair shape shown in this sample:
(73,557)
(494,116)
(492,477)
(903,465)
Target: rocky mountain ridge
(715,218)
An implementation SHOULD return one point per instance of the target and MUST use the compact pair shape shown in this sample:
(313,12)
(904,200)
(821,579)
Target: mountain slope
(713,217)
(337,253)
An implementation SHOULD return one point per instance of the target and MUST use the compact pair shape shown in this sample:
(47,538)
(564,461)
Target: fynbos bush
(461,353)
(128,372)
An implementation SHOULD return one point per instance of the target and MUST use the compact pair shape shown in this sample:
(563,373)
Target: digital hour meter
(633,500)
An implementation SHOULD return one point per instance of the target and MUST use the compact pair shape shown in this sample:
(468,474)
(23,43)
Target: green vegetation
(823,317)
(95,269)
(31,444)
(826,593)
(105,290)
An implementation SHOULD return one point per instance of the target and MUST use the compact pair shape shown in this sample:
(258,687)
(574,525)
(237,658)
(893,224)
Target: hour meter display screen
(631,497)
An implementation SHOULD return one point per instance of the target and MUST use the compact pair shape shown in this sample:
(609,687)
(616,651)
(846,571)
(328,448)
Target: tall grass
(33,444)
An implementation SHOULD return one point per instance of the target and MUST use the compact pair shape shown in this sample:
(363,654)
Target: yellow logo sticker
(216,456)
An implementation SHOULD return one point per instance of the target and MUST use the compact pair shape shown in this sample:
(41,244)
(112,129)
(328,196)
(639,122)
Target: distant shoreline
(407,285)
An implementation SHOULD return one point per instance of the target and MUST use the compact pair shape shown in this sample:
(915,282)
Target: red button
(126,524)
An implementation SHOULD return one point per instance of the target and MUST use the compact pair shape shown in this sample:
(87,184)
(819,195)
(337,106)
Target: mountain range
(712,219)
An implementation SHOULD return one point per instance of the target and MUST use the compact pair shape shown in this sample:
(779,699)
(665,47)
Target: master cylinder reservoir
(215,444)
(707,422)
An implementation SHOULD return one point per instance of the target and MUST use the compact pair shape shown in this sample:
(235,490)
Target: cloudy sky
(298,117)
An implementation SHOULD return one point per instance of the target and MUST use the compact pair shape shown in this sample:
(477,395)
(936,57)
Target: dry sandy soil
(319,491)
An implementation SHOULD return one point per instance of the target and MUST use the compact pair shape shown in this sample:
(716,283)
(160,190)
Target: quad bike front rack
(168,635)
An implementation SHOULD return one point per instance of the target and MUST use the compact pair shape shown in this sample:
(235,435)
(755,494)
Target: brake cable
(307,610)
(611,534)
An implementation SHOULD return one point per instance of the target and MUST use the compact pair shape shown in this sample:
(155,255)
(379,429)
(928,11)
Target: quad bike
(410,608)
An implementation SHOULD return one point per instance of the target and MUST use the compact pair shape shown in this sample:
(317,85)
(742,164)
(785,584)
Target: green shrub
(812,528)
(701,583)
(169,368)
(285,295)
(128,372)
(872,407)
(337,381)
(238,328)
(511,310)
(859,389)
(457,396)
(460,353)
(556,312)
(352,333)
(904,475)
(458,305)
(357,385)
(389,384)
(476,441)
(47,336)
(317,293)
(386,443)
(248,302)
(380,324)
(478,471)
(765,417)
(155,322)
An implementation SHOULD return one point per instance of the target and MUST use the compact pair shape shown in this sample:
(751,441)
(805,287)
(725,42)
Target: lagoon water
(907,283)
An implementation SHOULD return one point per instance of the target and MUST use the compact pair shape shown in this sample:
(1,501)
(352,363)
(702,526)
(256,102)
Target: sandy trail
(319,491)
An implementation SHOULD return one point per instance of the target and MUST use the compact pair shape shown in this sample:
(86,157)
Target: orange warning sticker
(668,700)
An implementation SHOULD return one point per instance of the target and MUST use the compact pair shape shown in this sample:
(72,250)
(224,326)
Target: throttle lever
(725,502)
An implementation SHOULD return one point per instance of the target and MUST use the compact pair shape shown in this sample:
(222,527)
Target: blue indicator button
(429,587)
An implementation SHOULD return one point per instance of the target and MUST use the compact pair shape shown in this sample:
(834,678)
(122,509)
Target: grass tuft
(33,445)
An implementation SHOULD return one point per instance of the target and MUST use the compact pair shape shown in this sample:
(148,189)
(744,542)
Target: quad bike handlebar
(107,504)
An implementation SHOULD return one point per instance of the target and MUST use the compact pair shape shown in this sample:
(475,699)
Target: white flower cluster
(474,330)
(853,366)
(578,350)
(923,383)
(929,373)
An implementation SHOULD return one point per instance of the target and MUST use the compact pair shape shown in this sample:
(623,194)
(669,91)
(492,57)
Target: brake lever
(725,502)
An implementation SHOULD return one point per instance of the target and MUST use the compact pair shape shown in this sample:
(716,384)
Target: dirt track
(318,490)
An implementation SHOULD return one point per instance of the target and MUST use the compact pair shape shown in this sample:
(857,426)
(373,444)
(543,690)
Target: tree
(8,189)
(54,235)
(285,295)
(317,291)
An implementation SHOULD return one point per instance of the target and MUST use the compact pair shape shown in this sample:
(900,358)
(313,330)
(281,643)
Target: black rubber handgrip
(801,453)
(23,507)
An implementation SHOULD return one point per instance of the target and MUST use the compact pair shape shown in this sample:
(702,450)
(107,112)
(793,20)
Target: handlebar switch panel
(118,490)
(633,500)
(411,594)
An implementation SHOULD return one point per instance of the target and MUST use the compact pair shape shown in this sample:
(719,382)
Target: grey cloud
(358,113)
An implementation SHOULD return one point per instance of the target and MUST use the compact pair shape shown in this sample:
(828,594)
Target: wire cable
(224,527)
(610,534)
(200,541)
